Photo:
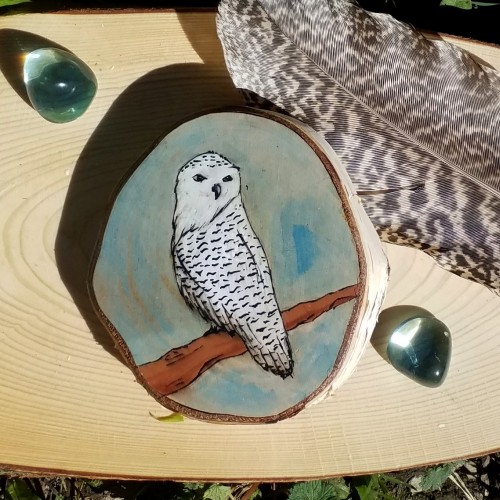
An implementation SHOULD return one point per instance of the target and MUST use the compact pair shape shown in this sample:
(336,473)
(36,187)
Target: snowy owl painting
(236,291)
(220,266)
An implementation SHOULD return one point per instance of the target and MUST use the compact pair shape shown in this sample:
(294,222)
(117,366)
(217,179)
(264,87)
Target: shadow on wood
(150,106)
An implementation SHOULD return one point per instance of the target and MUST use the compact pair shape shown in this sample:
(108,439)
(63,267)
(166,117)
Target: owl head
(205,186)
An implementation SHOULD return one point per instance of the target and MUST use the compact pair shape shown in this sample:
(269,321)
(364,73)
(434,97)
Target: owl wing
(192,290)
(224,275)
(261,326)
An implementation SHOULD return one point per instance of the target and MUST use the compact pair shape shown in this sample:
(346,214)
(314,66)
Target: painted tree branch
(179,367)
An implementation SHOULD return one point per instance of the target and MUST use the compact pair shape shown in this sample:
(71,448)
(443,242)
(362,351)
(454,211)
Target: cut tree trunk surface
(70,406)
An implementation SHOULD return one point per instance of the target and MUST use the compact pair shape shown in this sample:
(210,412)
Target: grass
(472,479)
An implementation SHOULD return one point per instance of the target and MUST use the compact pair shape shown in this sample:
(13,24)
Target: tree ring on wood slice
(237,271)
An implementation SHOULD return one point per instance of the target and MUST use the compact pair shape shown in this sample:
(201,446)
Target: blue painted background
(295,211)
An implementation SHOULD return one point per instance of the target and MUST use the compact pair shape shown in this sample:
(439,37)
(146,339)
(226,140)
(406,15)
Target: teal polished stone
(60,86)
(420,348)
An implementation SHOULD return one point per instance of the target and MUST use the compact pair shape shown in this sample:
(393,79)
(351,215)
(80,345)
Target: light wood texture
(68,404)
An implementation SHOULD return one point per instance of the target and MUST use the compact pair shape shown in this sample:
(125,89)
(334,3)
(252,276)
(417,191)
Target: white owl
(220,265)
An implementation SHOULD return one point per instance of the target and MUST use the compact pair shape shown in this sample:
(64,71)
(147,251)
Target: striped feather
(416,122)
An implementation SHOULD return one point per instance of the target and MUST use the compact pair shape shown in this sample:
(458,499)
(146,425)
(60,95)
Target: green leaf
(342,491)
(256,494)
(18,489)
(10,3)
(174,417)
(95,483)
(366,491)
(218,492)
(435,477)
(387,478)
(335,489)
(460,4)
(366,487)
(374,487)
(193,486)
(192,491)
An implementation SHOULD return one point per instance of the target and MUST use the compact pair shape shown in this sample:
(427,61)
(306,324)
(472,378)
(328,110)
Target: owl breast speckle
(220,265)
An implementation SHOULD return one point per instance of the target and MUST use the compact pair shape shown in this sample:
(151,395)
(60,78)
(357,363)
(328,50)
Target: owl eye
(227,178)
(199,178)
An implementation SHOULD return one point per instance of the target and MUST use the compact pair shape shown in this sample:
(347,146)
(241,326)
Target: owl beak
(216,189)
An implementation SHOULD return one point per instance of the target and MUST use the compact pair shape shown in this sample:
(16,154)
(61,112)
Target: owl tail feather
(276,358)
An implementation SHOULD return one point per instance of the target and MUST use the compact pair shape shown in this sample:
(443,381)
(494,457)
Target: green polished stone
(420,348)
(60,86)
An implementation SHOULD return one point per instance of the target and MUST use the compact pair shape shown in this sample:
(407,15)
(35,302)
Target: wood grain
(68,403)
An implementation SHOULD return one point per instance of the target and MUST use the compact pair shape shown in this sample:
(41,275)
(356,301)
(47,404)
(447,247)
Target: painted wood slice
(237,271)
